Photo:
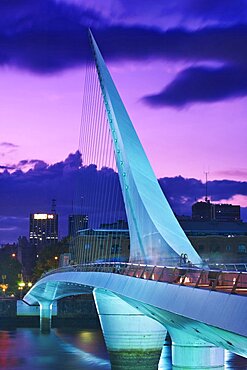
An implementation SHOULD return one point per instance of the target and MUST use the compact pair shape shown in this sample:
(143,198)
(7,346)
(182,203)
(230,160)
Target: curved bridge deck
(233,282)
(209,304)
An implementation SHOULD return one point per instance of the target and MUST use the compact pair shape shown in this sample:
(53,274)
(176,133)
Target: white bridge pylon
(155,234)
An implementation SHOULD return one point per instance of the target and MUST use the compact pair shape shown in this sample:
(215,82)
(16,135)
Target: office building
(207,211)
(100,245)
(43,229)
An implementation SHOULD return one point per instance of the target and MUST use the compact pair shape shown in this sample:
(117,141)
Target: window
(228,248)
(242,248)
(214,248)
(116,249)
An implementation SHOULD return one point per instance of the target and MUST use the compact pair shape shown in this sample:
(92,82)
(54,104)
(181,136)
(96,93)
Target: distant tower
(76,223)
(53,205)
(206,184)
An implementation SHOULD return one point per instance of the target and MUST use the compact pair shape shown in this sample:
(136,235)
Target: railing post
(199,278)
(215,283)
(143,271)
(236,283)
(151,273)
(162,270)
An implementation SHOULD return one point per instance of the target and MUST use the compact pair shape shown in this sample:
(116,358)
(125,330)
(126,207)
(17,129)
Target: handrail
(231,282)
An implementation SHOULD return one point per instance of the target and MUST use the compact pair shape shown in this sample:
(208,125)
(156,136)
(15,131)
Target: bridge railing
(233,282)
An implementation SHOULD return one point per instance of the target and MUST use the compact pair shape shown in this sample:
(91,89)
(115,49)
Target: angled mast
(155,234)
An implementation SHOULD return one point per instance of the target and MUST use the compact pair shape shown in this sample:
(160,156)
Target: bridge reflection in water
(71,349)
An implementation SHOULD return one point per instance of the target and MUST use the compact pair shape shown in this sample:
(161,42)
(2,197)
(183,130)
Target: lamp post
(21,286)
(4,287)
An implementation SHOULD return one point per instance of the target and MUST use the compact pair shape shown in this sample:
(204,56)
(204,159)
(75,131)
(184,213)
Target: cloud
(7,148)
(167,13)
(202,84)
(233,173)
(226,11)
(9,145)
(7,167)
(182,192)
(47,36)
(79,188)
(44,36)
(69,183)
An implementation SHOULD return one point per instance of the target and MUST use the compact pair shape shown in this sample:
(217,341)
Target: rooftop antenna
(206,184)
(53,205)
(81,203)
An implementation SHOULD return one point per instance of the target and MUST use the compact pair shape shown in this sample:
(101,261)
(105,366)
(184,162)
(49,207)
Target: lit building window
(242,248)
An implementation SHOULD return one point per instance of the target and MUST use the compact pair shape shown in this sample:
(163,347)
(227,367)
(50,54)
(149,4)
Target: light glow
(40,216)
(43,216)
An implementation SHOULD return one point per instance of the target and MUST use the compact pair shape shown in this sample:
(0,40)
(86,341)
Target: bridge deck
(231,282)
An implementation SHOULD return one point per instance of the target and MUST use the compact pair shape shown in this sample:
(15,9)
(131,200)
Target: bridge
(202,309)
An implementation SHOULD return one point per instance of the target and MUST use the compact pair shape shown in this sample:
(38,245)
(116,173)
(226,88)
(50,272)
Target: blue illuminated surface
(155,234)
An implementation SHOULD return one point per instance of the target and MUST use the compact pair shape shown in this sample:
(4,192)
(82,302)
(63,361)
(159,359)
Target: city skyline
(180,70)
(28,192)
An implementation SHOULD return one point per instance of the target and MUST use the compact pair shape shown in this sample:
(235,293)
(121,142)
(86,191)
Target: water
(69,349)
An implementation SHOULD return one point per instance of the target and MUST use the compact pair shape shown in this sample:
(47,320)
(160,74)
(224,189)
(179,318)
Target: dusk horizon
(30,186)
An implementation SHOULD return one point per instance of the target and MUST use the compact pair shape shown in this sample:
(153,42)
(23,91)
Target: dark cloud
(79,188)
(9,145)
(44,36)
(190,12)
(69,183)
(239,173)
(7,167)
(182,193)
(49,36)
(226,11)
(202,84)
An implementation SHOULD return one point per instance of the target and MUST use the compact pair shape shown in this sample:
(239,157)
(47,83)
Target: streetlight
(4,287)
(4,278)
(21,286)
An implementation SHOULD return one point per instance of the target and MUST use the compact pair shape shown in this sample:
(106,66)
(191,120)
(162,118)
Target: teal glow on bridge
(155,234)
(138,303)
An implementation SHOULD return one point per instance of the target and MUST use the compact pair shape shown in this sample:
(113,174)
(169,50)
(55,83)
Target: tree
(10,268)
(49,257)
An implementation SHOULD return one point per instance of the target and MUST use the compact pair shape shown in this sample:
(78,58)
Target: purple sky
(180,67)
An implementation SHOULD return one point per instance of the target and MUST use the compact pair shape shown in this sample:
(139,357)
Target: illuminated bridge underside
(156,236)
(217,318)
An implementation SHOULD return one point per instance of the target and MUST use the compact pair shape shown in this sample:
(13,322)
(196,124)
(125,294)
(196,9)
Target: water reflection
(70,349)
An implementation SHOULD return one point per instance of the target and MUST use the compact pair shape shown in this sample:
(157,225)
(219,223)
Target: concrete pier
(45,316)
(189,352)
(133,340)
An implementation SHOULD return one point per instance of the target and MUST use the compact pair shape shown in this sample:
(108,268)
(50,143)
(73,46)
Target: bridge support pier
(133,340)
(45,316)
(189,352)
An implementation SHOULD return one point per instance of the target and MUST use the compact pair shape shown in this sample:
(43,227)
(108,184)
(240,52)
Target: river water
(69,349)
